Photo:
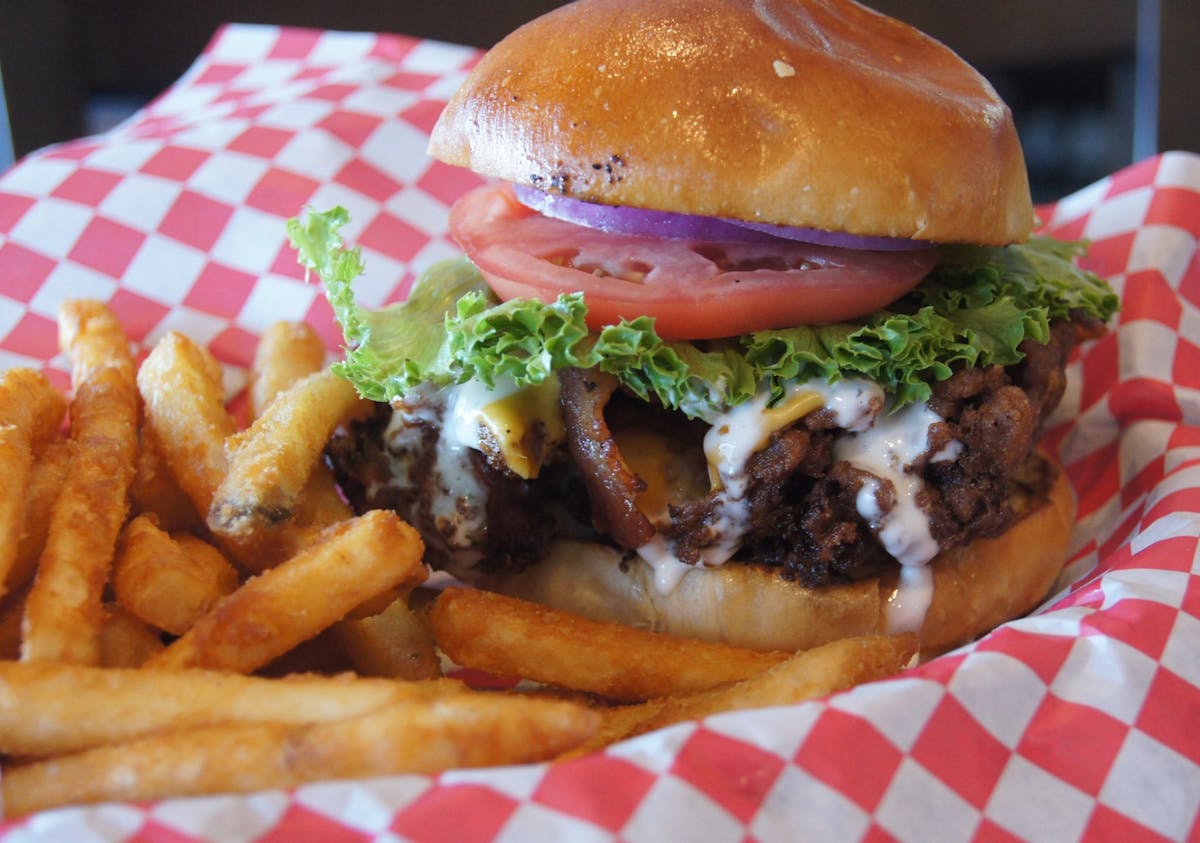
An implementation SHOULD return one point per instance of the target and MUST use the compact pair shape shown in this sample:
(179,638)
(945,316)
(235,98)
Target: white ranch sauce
(733,438)
(884,445)
(887,449)
(458,499)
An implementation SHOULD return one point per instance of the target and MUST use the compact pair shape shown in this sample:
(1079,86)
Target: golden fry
(464,730)
(180,383)
(514,637)
(805,676)
(321,654)
(63,614)
(12,609)
(156,491)
(126,640)
(287,352)
(53,708)
(334,593)
(320,504)
(168,583)
(270,463)
(395,642)
(45,481)
(31,411)
(302,596)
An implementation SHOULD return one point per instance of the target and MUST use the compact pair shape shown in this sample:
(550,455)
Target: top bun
(818,113)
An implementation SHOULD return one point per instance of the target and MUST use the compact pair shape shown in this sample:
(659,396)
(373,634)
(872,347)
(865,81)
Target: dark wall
(56,54)
(1069,68)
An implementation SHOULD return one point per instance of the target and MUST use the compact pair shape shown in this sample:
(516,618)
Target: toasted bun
(975,588)
(817,113)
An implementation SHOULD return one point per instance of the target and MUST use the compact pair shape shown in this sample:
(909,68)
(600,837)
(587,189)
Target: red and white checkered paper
(1081,721)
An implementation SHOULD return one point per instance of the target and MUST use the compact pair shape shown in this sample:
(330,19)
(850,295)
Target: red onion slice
(619,219)
(641,222)
(837,239)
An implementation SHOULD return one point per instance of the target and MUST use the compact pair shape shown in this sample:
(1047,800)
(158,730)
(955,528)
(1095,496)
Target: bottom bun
(976,587)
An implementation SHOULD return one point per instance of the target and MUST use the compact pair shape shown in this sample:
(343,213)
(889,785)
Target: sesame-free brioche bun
(976,587)
(815,113)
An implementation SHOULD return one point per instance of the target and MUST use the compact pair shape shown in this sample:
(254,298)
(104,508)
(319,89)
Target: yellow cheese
(523,426)
(746,429)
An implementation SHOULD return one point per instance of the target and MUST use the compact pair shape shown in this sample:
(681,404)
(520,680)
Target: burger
(750,342)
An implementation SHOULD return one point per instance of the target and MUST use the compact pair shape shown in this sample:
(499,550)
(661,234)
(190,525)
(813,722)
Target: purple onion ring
(641,222)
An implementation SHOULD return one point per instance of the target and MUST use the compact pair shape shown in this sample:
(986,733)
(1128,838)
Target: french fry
(31,411)
(287,352)
(165,582)
(54,708)
(126,640)
(465,730)
(320,504)
(321,654)
(512,637)
(154,489)
(180,384)
(333,593)
(207,556)
(271,613)
(813,673)
(270,463)
(395,642)
(617,722)
(12,609)
(63,614)
(45,481)
(184,399)
(805,676)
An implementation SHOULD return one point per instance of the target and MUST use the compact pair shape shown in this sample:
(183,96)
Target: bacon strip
(612,486)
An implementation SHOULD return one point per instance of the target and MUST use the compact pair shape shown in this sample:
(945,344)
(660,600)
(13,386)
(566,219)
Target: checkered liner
(1079,721)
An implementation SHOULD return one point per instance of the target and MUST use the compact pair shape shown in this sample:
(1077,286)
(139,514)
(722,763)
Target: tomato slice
(693,290)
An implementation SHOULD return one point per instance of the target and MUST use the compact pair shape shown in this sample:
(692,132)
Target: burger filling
(830,452)
(825,485)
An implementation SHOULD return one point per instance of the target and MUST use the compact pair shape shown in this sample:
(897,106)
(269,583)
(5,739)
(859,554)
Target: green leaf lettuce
(974,309)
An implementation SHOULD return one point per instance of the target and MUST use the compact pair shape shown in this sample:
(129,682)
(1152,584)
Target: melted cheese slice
(744,430)
(520,424)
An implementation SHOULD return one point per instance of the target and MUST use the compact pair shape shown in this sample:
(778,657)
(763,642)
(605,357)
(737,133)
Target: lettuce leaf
(395,348)
(974,309)
(519,339)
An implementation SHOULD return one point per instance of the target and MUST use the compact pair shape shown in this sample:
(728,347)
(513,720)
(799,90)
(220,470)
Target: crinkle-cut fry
(167,582)
(63,614)
(270,463)
(52,708)
(464,730)
(349,563)
(45,482)
(31,412)
(807,675)
(286,353)
(512,637)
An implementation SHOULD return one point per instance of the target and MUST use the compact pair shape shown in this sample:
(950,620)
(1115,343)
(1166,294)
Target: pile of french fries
(190,607)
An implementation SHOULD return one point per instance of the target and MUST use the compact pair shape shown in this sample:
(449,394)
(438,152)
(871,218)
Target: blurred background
(1093,84)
